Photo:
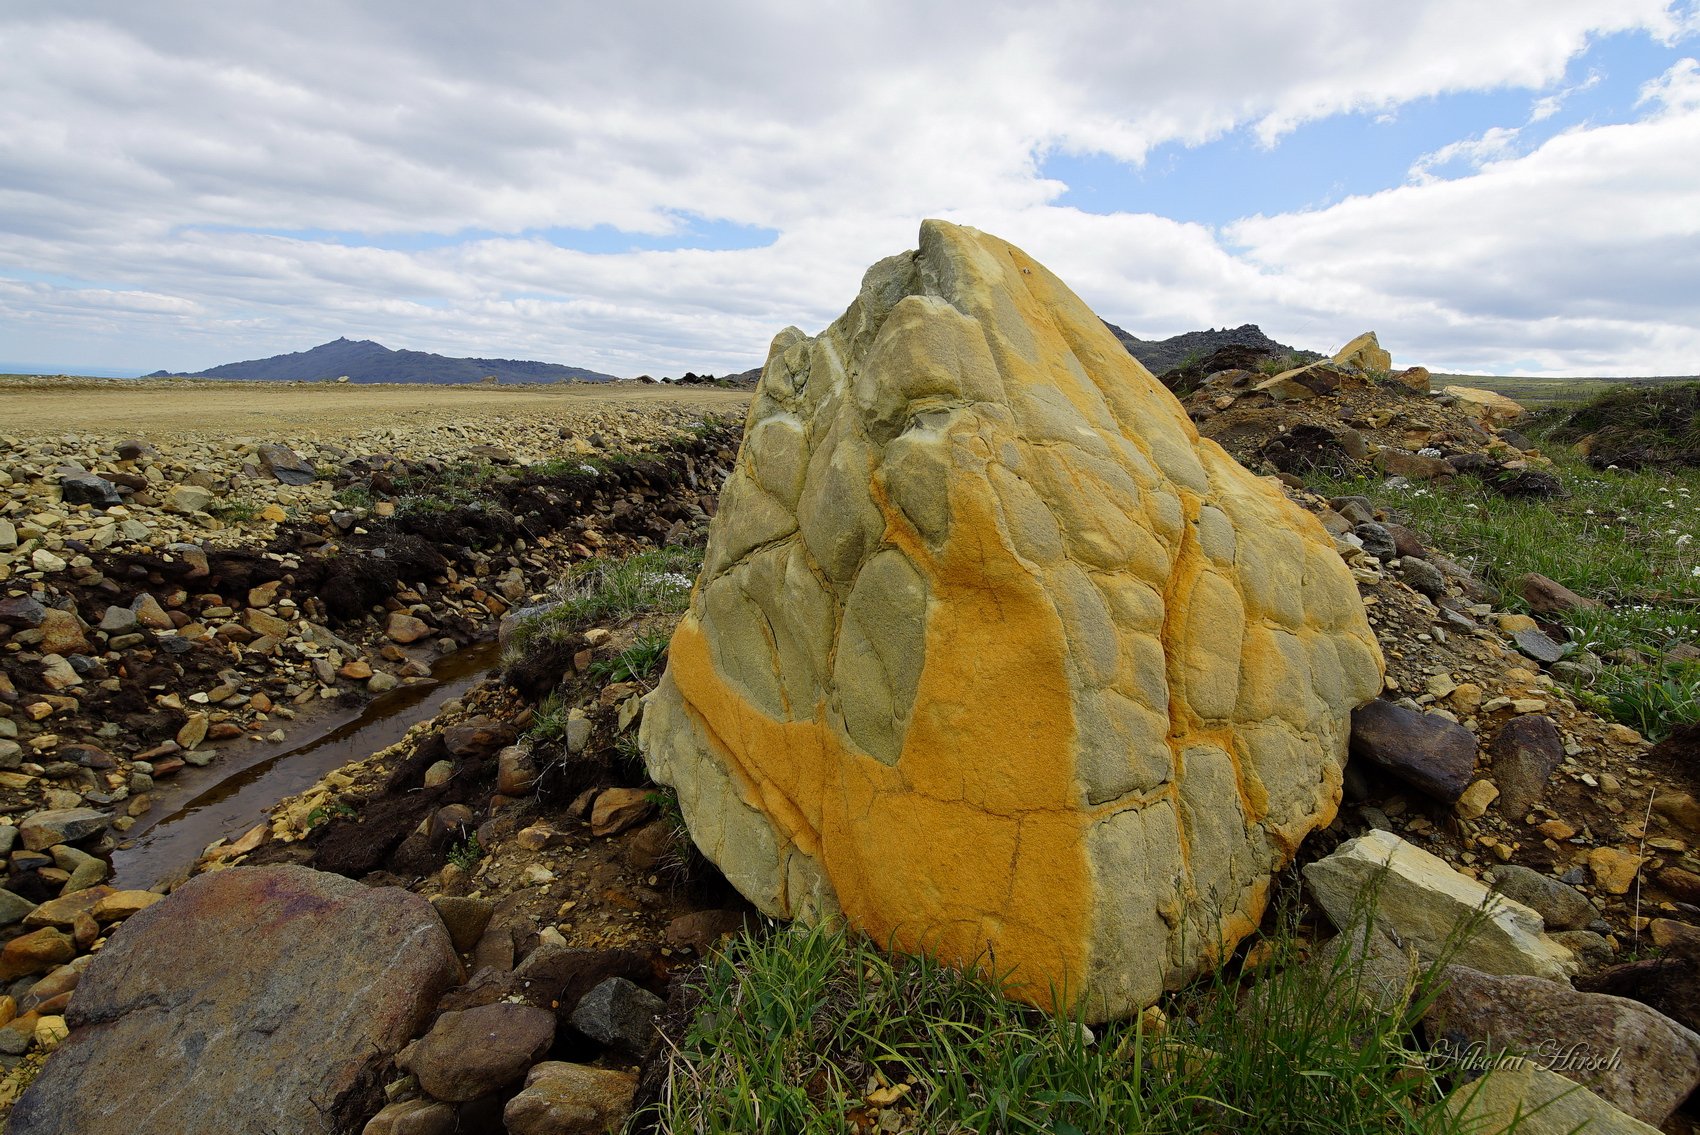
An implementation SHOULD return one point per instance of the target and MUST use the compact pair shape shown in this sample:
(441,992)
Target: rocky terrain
(540,901)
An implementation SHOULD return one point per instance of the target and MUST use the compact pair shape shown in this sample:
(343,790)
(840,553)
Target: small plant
(548,721)
(324,814)
(657,581)
(638,662)
(234,511)
(467,853)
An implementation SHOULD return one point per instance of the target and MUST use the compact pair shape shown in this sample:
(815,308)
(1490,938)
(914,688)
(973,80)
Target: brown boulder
(251,999)
(1525,754)
(1424,750)
(472,1053)
(570,1099)
(1640,1061)
(1547,596)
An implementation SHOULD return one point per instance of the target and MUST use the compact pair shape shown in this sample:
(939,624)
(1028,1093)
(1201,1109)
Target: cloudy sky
(1505,187)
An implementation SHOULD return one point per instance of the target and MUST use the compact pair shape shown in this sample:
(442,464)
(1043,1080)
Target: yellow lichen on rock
(992,654)
(1366,353)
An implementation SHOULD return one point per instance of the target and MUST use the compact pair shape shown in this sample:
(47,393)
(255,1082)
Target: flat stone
(251,999)
(286,465)
(570,1099)
(119,905)
(188,498)
(1614,869)
(35,952)
(63,825)
(1538,646)
(471,1053)
(1426,751)
(1657,1060)
(1475,799)
(1547,596)
(1420,900)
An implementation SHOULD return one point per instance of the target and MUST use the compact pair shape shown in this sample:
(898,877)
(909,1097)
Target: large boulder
(253,999)
(992,653)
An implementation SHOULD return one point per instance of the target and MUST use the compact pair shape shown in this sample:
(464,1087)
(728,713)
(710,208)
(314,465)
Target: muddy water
(232,795)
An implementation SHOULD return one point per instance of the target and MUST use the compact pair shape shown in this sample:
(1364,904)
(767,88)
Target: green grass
(638,662)
(548,721)
(657,581)
(796,1030)
(234,511)
(1630,539)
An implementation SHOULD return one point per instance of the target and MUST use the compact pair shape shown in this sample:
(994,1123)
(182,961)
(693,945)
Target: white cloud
(138,142)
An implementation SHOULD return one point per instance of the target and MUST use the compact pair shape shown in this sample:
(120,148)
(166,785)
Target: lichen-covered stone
(992,654)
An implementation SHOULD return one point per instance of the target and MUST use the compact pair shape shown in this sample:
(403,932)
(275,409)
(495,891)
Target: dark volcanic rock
(1524,755)
(86,488)
(1424,750)
(253,999)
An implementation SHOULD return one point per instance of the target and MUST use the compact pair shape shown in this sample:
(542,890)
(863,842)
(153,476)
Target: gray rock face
(1524,755)
(253,999)
(1657,1061)
(1424,750)
(619,1013)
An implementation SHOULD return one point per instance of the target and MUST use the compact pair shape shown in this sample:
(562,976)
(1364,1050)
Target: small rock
(1422,577)
(64,825)
(1613,869)
(467,1054)
(193,731)
(617,809)
(1561,906)
(1538,646)
(570,1099)
(1475,799)
(619,1013)
(405,628)
(286,465)
(1548,597)
(439,774)
(516,774)
(36,952)
(466,919)
(413,1117)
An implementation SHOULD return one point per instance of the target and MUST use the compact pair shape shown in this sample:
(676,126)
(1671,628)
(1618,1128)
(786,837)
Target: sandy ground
(166,408)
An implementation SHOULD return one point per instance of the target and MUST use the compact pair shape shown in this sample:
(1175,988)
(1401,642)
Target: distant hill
(1160,355)
(365,361)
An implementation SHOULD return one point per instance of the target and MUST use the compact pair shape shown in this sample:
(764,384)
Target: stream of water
(233,795)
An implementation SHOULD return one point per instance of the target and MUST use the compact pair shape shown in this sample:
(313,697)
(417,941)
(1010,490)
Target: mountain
(365,361)
(1160,355)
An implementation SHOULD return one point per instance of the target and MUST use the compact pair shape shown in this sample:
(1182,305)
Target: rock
(1424,750)
(1525,753)
(21,612)
(1415,379)
(1614,869)
(252,999)
(1422,577)
(516,773)
(62,912)
(1421,901)
(1538,646)
(86,870)
(1561,906)
(1412,466)
(382,683)
(86,488)
(1365,353)
(62,633)
(1680,808)
(120,905)
(1376,540)
(193,731)
(1548,597)
(286,465)
(413,1117)
(1475,799)
(966,496)
(1684,886)
(43,560)
(119,621)
(149,613)
(470,1053)
(35,952)
(570,1099)
(1528,1099)
(262,622)
(405,628)
(465,918)
(65,825)
(58,674)
(617,809)
(619,1013)
(13,907)
(188,498)
(1484,405)
(1657,1060)
(702,929)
